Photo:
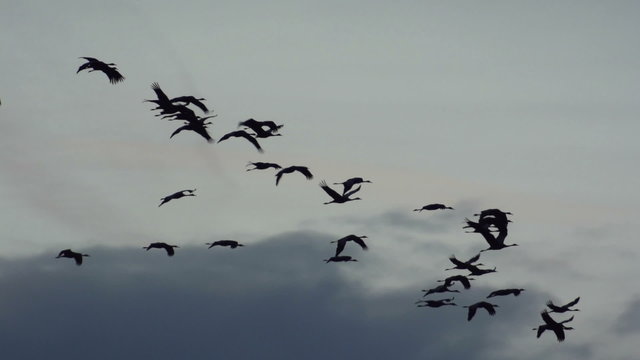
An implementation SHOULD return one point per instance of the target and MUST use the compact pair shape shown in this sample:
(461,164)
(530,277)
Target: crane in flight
(434,207)
(108,69)
(67,253)
(505,292)
(230,243)
(342,242)
(161,245)
(564,308)
(338,198)
(349,183)
(480,305)
(177,195)
(550,324)
(288,170)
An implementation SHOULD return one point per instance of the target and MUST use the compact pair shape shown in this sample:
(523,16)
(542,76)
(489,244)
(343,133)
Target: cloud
(629,320)
(275,299)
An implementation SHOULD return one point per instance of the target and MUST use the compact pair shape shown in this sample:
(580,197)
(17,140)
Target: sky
(525,106)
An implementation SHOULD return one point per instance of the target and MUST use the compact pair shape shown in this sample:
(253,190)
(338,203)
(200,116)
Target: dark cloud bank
(272,300)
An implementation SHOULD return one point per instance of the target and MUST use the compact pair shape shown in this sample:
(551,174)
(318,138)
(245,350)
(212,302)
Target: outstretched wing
(304,171)
(329,191)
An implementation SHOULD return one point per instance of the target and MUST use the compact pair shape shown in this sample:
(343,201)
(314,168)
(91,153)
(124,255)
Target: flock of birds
(490,221)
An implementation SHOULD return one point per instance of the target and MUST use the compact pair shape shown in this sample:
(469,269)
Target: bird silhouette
(476,271)
(242,134)
(108,69)
(161,245)
(301,169)
(463,265)
(434,207)
(349,183)
(230,243)
(198,126)
(259,127)
(550,324)
(338,198)
(342,242)
(341,258)
(67,253)
(504,292)
(177,195)
(263,165)
(495,242)
(191,100)
(480,305)
(438,289)
(564,308)
(465,281)
(436,303)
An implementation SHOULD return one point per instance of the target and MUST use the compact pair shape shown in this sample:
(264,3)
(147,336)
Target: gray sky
(525,106)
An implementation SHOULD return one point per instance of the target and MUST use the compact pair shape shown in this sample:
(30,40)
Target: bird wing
(304,171)
(202,131)
(226,136)
(570,304)
(559,331)
(329,190)
(474,259)
(360,242)
(191,100)
(547,318)
(541,329)
(279,176)
(251,139)
(169,249)
(78,258)
(113,75)
(346,195)
(340,244)
(84,66)
(159,93)
(178,130)
(456,262)
(472,312)
(489,307)
(464,281)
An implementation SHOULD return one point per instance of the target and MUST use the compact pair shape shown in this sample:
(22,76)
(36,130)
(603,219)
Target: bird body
(108,69)
(476,271)
(341,258)
(480,305)
(434,207)
(161,245)
(349,183)
(301,169)
(465,281)
(342,242)
(177,195)
(564,308)
(505,292)
(259,127)
(436,303)
(230,243)
(463,265)
(67,253)
(338,198)
(242,134)
(263,165)
(438,289)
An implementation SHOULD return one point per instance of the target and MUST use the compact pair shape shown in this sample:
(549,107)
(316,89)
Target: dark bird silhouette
(230,243)
(177,195)
(481,305)
(341,243)
(242,134)
(465,281)
(191,100)
(341,258)
(550,324)
(349,183)
(476,271)
(301,169)
(259,127)
(338,198)
(67,253)
(463,265)
(434,207)
(504,292)
(564,308)
(495,242)
(494,217)
(199,127)
(263,165)
(436,303)
(438,289)
(108,69)
(161,245)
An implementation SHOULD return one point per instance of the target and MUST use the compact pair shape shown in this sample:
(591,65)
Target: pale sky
(525,106)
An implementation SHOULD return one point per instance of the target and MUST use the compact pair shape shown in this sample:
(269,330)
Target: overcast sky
(525,106)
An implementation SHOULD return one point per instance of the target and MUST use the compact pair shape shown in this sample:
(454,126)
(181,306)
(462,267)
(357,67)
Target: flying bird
(263,165)
(564,308)
(342,242)
(465,281)
(177,195)
(259,126)
(434,207)
(108,69)
(550,324)
(341,258)
(480,305)
(242,134)
(495,242)
(67,253)
(199,127)
(161,245)
(301,169)
(505,292)
(191,100)
(476,271)
(338,198)
(463,265)
(230,243)
(438,289)
(436,303)
(349,183)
